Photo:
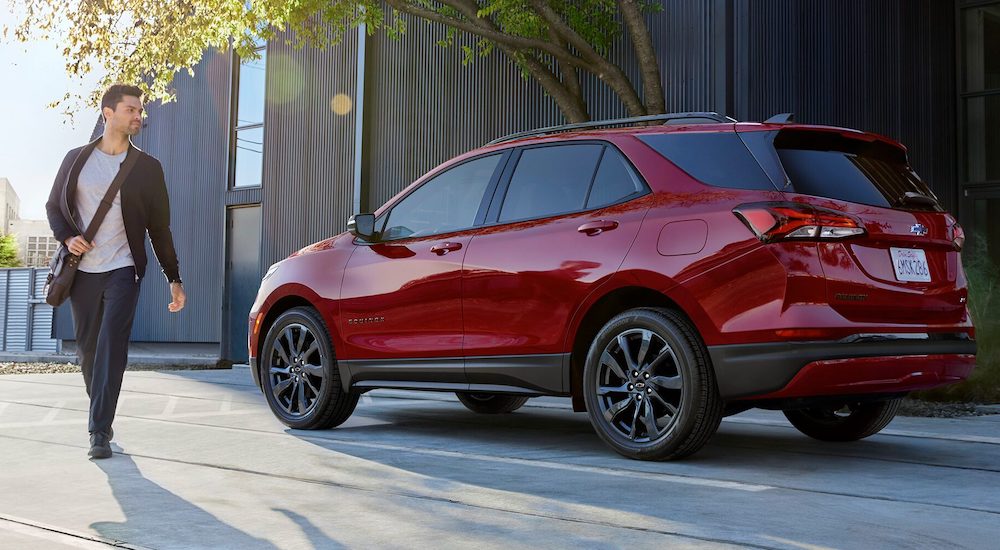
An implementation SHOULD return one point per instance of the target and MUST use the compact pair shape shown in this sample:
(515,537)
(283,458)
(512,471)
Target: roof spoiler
(783,118)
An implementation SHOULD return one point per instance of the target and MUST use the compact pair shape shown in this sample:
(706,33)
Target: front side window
(448,202)
(248,154)
(550,180)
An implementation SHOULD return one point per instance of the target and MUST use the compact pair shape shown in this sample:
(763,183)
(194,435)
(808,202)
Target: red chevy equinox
(663,272)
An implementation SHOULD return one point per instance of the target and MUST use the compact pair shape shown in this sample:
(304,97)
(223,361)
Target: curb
(988,409)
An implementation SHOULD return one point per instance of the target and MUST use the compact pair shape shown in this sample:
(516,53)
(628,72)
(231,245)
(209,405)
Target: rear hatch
(905,266)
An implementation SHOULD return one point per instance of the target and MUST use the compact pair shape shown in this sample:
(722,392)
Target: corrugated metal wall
(308,179)
(190,138)
(25,317)
(425,107)
(885,66)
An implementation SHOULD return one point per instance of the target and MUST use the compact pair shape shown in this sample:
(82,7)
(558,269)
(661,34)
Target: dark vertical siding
(683,37)
(308,149)
(884,66)
(425,106)
(190,138)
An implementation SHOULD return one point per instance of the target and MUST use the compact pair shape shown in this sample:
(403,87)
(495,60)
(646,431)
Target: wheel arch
(294,298)
(601,309)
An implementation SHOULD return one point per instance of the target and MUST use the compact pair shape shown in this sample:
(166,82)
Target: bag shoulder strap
(109,198)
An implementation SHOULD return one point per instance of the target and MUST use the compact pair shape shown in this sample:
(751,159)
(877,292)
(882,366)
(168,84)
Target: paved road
(201,463)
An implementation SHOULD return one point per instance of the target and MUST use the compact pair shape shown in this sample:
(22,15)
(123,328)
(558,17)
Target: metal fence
(25,318)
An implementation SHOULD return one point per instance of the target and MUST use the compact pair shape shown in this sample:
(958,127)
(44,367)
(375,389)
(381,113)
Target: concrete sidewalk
(200,462)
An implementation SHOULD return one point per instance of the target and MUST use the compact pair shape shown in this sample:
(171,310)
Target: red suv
(662,274)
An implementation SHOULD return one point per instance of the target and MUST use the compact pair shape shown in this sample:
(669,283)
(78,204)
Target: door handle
(444,248)
(598,227)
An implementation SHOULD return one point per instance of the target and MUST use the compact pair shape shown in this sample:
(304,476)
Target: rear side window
(719,159)
(550,180)
(829,165)
(614,182)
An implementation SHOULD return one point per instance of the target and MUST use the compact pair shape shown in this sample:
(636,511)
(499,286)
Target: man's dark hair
(115,93)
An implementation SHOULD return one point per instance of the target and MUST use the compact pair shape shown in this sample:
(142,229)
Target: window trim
(234,127)
(965,184)
(500,195)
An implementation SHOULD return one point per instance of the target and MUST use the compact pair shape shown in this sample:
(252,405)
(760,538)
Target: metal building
(265,157)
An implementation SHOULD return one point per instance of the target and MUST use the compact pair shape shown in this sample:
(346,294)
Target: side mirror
(362,225)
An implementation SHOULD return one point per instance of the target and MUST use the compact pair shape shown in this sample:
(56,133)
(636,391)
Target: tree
(9,253)
(553,41)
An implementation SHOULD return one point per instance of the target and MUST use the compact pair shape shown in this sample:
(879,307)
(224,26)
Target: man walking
(106,287)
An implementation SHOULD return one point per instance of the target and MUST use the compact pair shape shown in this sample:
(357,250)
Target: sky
(33,138)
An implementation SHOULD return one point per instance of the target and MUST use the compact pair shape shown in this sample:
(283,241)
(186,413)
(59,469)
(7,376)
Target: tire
(850,422)
(491,403)
(659,403)
(299,376)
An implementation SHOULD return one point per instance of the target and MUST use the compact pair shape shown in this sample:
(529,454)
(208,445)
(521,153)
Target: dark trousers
(103,308)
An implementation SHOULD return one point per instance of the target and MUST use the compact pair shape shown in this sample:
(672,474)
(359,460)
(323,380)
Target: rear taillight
(957,236)
(774,221)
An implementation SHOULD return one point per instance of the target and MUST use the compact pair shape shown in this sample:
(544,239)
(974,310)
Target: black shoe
(111,434)
(100,446)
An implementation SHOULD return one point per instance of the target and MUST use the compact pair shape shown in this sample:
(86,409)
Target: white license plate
(910,264)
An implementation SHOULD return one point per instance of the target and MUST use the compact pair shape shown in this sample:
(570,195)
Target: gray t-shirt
(111,249)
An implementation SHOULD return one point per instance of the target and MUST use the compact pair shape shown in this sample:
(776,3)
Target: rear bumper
(859,364)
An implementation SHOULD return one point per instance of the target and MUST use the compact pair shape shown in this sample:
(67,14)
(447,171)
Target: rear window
(829,165)
(719,159)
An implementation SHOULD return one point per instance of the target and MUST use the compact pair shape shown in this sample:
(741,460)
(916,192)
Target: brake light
(957,236)
(773,221)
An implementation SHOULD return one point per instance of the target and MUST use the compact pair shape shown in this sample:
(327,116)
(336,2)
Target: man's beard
(133,130)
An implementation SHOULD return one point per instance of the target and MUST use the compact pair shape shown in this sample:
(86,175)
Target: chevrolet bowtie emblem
(919,230)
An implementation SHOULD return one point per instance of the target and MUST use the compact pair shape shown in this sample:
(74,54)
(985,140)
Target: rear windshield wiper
(916,199)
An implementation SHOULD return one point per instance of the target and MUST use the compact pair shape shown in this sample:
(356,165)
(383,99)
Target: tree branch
(567,97)
(571,78)
(605,70)
(517,42)
(642,43)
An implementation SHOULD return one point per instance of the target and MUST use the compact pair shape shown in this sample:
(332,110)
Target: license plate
(910,264)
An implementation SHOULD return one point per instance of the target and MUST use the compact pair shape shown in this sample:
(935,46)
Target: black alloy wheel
(299,371)
(649,386)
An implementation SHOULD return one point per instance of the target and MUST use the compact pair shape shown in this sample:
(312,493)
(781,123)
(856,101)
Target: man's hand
(177,293)
(78,245)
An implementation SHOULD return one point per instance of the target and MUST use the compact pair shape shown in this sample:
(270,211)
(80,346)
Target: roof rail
(695,117)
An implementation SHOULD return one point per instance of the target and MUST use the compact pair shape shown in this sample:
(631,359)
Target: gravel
(50,368)
(37,368)
(916,407)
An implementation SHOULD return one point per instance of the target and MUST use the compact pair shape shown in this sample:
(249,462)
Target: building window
(248,125)
(39,250)
(979,90)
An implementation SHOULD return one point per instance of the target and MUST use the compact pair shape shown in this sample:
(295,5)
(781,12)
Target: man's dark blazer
(144,202)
